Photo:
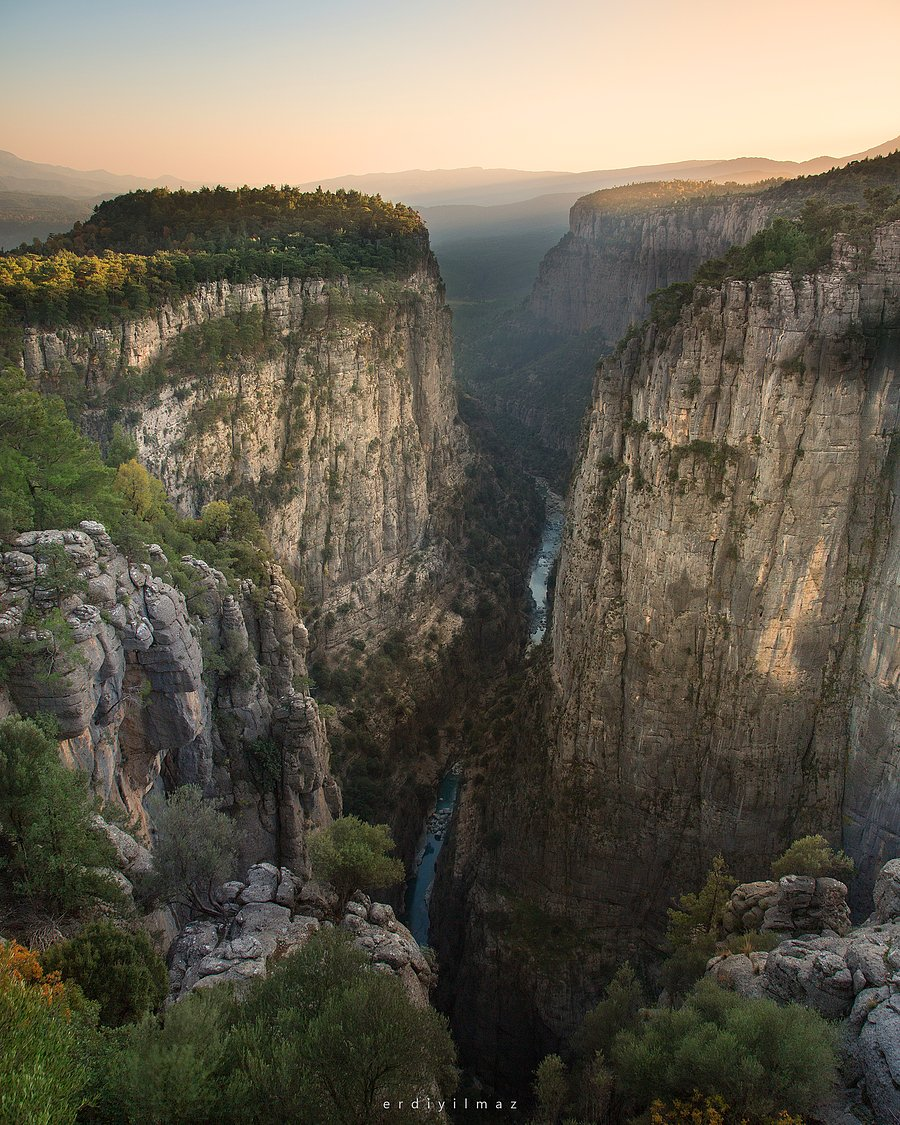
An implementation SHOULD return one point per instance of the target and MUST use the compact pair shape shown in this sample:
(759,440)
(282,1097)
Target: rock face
(855,978)
(114,654)
(725,661)
(337,416)
(600,274)
(275,913)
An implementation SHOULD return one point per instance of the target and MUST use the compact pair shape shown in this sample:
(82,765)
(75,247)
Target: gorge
(309,592)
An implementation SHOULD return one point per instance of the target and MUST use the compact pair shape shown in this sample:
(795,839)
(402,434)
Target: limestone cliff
(625,242)
(724,662)
(600,274)
(331,405)
(150,692)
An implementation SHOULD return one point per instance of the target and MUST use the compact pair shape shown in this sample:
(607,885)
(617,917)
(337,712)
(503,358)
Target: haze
(293,91)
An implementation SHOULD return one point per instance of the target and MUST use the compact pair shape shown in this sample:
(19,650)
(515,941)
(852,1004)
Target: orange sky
(293,91)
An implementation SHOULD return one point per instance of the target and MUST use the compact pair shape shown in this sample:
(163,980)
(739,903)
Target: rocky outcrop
(273,914)
(336,415)
(114,654)
(725,662)
(854,978)
(796,904)
(625,242)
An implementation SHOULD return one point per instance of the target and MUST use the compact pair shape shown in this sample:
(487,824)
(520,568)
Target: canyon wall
(334,411)
(601,272)
(724,661)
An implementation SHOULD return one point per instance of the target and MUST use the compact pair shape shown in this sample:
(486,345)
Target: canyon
(723,662)
(712,664)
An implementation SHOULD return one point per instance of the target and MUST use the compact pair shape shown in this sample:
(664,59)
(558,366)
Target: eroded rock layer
(600,274)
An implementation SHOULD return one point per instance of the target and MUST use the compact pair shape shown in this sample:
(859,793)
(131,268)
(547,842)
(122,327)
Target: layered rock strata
(600,274)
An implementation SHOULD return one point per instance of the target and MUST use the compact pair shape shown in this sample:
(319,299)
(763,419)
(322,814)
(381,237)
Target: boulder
(262,884)
(813,972)
(887,892)
(877,1052)
(804,905)
(740,972)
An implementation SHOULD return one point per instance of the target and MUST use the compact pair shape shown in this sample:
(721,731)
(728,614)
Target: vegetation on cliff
(717,1059)
(659,194)
(802,245)
(352,855)
(51,477)
(148,247)
(52,858)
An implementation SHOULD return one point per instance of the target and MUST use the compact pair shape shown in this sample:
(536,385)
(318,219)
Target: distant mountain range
(456,203)
(498,186)
(17,175)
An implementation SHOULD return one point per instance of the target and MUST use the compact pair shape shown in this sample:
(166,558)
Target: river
(543,563)
(418,888)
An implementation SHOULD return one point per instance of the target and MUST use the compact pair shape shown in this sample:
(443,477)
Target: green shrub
(45,1042)
(698,916)
(195,851)
(352,855)
(120,971)
(51,854)
(760,1057)
(752,941)
(814,856)
(50,476)
(684,967)
(171,1073)
(619,1009)
(323,1040)
(550,1089)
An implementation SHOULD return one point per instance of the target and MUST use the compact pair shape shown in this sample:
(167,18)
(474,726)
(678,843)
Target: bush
(50,476)
(352,855)
(681,971)
(814,856)
(697,917)
(753,942)
(44,1072)
(195,851)
(171,1073)
(618,1010)
(550,1089)
(325,1040)
(118,970)
(759,1057)
(50,851)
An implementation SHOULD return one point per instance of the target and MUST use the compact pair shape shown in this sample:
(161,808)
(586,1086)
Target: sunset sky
(288,91)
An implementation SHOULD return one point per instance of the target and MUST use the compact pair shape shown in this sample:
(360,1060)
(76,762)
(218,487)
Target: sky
(292,91)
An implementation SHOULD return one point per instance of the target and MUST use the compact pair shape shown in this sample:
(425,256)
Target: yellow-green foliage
(814,856)
(147,247)
(44,1072)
